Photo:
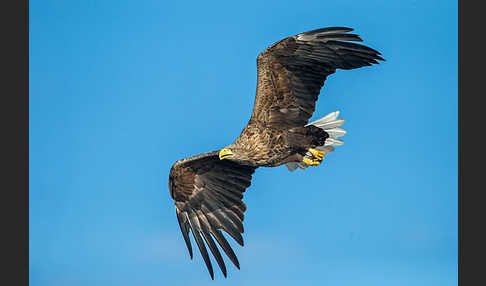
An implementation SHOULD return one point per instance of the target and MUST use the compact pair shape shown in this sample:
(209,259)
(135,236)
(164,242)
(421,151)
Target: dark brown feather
(208,195)
(292,71)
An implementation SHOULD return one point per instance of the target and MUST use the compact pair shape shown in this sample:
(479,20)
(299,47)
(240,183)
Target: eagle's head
(237,154)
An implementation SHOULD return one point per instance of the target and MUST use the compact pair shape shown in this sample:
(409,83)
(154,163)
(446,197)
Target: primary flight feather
(208,188)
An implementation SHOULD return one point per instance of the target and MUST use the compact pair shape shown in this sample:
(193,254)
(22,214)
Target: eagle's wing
(292,72)
(208,195)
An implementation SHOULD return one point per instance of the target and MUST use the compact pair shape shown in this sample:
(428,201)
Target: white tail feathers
(329,123)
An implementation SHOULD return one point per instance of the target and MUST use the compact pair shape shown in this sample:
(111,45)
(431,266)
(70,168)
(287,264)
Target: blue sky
(120,90)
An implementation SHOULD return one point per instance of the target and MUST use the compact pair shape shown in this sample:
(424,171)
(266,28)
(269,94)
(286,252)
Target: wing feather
(218,235)
(292,71)
(196,230)
(208,195)
(182,219)
(205,227)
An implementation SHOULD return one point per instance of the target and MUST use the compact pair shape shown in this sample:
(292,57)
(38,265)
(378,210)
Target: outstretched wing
(292,72)
(208,195)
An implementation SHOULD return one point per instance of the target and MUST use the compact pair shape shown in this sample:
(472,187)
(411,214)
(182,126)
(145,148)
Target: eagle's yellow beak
(225,153)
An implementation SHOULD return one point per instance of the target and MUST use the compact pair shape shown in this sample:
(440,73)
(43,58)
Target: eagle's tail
(329,123)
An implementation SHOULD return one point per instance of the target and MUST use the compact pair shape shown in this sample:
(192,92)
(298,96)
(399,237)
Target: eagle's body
(208,188)
(263,146)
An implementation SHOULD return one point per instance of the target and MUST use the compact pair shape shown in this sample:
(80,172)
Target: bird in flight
(208,188)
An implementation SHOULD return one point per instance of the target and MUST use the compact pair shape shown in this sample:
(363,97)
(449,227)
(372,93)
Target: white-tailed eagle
(208,188)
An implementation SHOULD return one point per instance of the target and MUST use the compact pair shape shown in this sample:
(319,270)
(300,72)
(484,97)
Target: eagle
(207,189)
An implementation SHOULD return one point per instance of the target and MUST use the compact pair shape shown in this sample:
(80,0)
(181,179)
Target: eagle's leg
(311,162)
(316,158)
(316,153)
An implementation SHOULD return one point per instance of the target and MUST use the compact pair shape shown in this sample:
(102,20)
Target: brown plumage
(208,188)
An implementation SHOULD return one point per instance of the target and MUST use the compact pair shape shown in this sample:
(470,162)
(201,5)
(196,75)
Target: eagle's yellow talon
(316,153)
(311,162)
